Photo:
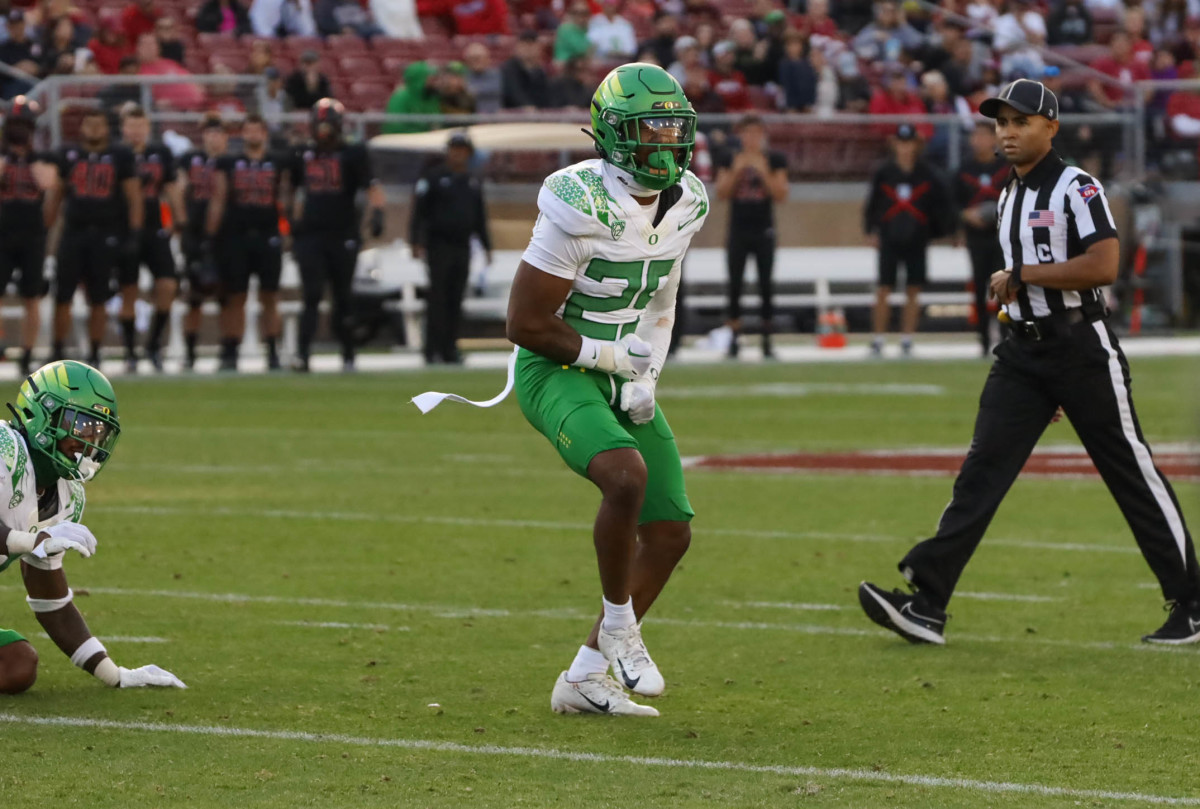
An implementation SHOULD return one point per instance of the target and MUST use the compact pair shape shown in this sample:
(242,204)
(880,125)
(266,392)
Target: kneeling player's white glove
(148,675)
(637,399)
(66,536)
(628,357)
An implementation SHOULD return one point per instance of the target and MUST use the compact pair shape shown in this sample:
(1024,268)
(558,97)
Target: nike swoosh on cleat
(601,708)
(630,684)
(907,609)
(1195,625)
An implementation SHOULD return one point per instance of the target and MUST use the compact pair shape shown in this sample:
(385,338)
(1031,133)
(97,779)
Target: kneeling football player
(63,432)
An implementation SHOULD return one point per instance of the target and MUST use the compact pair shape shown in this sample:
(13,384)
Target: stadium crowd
(428,56)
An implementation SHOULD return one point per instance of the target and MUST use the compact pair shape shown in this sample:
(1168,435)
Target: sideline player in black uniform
(1060,247)
(328,176)
(249,193)
(26,176)
(976,188)
(198,231)
(908,206)
(101,227)
(156,167)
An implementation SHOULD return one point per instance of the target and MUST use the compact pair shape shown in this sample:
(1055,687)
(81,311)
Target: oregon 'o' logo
(653,238)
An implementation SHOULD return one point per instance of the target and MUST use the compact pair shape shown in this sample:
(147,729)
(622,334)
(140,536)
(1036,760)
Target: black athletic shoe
(273,363)
(906,614)
(1182,626)
(156,360)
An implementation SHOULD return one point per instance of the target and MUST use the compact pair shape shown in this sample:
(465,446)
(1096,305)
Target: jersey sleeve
(170,166)
(1088,208)
(694,204)
(566,201)
(555,251)
(362,165)
(777,160)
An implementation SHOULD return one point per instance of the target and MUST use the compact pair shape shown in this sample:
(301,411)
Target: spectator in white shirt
(611,34)
(1017,35)
(687,57)
(291,17)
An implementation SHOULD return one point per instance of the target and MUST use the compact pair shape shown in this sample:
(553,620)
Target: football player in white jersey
(64,429)
(591,308)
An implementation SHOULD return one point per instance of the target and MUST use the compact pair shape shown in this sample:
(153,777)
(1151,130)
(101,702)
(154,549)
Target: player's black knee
(18,667)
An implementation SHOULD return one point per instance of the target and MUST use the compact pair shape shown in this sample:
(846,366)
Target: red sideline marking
(1175,465)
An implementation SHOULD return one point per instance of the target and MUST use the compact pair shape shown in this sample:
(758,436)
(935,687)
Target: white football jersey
(19,500)
(591,230)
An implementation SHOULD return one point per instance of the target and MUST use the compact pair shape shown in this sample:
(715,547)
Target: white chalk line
(548,525)
(572,614)
(434,746)
(120,638)
(1018,597)
(341,625)
(795,389)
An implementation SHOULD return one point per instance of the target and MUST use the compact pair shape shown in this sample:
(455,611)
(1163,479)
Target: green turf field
(322,563)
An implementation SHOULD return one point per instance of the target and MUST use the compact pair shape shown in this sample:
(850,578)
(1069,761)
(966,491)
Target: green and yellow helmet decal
(68,399)
(644,124)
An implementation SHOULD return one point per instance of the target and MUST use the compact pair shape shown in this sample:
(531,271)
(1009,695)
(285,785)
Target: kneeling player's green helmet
(68,399)
(643,124)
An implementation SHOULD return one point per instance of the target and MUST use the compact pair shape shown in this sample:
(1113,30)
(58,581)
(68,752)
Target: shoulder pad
(576,200)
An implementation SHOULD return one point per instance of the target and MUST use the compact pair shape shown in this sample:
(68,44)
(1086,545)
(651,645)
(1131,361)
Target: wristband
(597,354)
(86,651)
(108,673)
(20,542)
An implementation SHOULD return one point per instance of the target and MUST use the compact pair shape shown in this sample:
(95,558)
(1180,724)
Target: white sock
(587,661)
(617,616)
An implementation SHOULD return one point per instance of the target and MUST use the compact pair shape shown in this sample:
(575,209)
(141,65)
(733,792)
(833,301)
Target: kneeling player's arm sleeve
(52,602)
(658,320)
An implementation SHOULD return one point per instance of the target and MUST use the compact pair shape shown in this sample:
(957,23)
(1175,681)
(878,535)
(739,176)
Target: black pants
(326,260)
(762,246)
(449,267)
(1082,369)
(986,258)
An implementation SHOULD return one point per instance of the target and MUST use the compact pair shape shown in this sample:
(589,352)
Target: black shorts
(155,254)
(252,252)
(914,257)
(89,255)
(26,254)
(200,269)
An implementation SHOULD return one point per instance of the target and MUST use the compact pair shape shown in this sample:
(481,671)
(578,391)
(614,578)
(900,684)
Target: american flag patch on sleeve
(1041,219)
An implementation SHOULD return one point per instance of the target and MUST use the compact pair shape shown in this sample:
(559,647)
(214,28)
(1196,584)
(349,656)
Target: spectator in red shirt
(726,81)
(150,63)
(1135,26)
(1121,65)
(138,18)
(109,45)
(896,98)
(480,17)
(817,21)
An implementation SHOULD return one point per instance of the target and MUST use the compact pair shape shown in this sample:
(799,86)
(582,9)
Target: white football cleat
(599,693)
(631,663)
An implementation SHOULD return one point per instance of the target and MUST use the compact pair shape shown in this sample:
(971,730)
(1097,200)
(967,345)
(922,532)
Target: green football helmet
(644,124)
(68,399)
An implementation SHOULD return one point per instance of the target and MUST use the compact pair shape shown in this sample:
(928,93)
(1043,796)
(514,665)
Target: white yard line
(783,605)
(122,638)
(1030,599)
(434,746)
(572,614)
(340,625)
(580,527)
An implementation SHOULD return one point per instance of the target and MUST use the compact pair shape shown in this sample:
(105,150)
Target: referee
(1060,246)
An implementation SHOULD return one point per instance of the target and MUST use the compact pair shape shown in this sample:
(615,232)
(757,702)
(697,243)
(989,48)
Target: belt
(1055,325)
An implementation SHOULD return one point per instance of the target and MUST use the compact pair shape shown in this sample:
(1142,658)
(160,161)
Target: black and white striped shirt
(1055,213)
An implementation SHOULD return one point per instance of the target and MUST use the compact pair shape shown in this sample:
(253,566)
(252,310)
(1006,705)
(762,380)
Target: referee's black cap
(1026,96)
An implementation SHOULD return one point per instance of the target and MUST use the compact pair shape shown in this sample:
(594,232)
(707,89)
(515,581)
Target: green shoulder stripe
(569,192)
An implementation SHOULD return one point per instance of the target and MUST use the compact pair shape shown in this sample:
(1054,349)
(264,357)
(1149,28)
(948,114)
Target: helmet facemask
(655,148)
(93,436)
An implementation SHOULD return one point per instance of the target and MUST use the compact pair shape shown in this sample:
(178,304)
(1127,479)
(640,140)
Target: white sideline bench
(392,271)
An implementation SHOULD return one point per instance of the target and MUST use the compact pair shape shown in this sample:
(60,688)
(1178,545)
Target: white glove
(637,399)
(148,675)
(632,355)
(66,536)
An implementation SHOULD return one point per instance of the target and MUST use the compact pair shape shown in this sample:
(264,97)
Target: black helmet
(328,111)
